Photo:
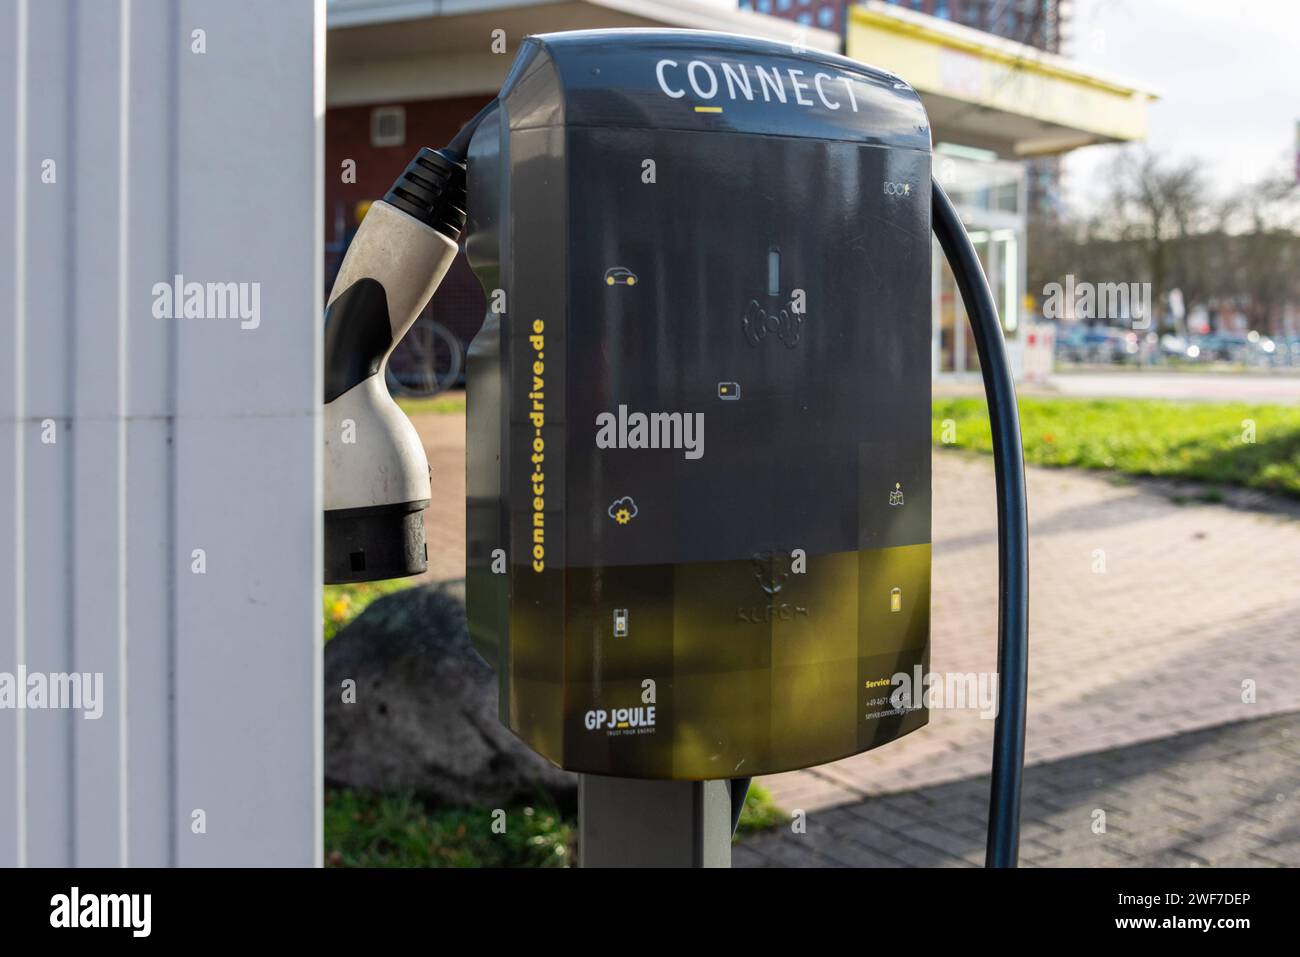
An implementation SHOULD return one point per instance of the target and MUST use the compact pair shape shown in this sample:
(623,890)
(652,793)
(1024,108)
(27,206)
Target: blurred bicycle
(427,361)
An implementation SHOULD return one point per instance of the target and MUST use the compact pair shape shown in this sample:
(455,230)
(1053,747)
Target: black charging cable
(739,791)
(458,149)
(1013,534)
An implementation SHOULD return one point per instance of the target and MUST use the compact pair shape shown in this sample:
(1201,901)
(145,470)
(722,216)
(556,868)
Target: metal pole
(626,822)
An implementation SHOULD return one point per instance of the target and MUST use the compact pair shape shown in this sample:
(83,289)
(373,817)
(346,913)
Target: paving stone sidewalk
(443,435)
(1226,797)
(1147,618)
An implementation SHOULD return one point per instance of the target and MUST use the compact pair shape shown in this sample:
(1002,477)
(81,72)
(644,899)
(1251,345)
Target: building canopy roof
(983,90)
(384,50)
(979,90)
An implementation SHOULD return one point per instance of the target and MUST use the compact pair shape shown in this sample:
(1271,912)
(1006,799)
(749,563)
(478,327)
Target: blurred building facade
(1004,104)
(1038,23)
(1041,24)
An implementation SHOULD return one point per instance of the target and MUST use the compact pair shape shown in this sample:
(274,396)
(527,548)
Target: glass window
(975,185)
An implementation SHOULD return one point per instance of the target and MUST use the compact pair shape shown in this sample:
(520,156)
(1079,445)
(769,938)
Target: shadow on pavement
(1222,796)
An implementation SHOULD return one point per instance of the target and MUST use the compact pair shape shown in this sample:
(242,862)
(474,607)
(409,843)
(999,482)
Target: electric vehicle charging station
(698,419)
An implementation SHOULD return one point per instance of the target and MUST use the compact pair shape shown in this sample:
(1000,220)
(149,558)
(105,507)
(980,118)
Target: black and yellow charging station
(698,429)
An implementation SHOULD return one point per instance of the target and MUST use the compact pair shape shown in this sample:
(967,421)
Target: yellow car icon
(620,275)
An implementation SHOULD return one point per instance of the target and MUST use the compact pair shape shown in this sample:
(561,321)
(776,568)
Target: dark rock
(425,717)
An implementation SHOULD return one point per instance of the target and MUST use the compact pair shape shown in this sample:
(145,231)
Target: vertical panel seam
(172,539)
(319,14)
(20,406)
(123,238)
(70,487)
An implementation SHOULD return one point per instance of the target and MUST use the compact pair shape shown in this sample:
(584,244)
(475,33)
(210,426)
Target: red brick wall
(459,304)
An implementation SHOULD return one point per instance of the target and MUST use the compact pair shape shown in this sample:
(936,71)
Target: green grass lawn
(1203,441)
(441,403)
(373,830)
(760,812)
(387,830)
(345,602)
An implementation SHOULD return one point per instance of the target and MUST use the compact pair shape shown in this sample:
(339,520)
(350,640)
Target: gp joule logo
(129,911)
(735,81)
(621,720)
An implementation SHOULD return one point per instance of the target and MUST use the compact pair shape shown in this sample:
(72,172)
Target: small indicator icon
(895,599)
(620,276)
(622,510)
(729,391)
(620,622)
(896,494)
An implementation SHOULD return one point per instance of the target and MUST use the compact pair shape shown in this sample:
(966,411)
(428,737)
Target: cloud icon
(623,510)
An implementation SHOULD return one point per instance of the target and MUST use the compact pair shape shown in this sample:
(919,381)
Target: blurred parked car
(1261,350)
(1097,344)
(1127,345)
(1288,350)
(1176,347)
(1106,345)
(1220,347)
(1251,349)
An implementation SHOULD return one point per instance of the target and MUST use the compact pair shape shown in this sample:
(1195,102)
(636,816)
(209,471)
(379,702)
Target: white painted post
(170,152)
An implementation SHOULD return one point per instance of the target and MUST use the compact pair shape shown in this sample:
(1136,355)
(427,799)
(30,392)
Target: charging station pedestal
(625,822)
(698,424)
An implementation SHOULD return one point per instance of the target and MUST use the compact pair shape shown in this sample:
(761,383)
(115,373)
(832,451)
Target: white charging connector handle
(376,472)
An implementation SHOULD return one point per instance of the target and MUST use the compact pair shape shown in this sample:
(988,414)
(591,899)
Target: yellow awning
(982,90)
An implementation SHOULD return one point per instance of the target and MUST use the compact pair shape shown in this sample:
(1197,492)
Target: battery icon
(895,599)
(620,622)
(729,391)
